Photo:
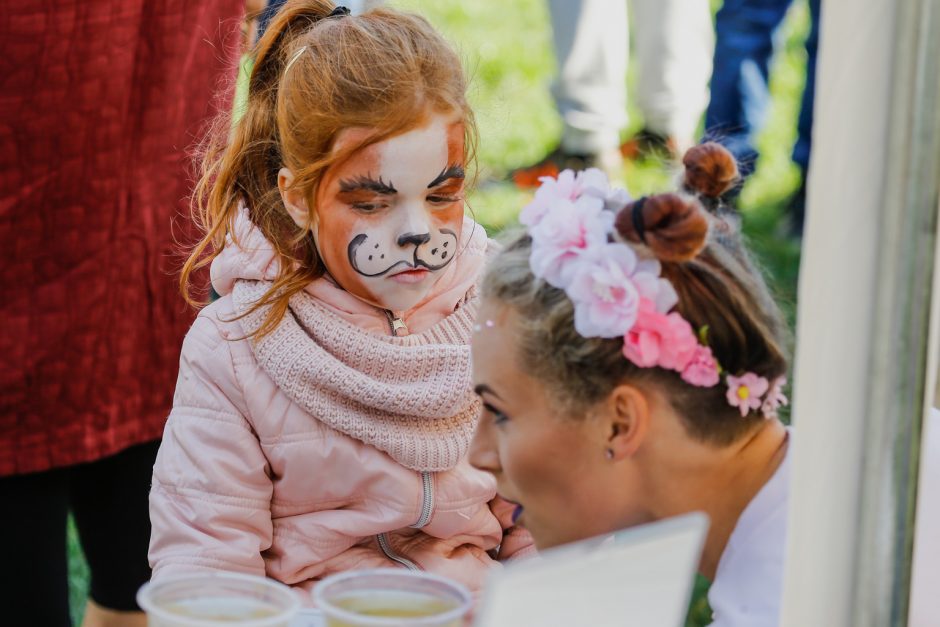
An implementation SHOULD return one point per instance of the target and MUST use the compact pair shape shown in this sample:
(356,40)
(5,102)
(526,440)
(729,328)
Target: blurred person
(673,41)
(99,103)
(327,391)
(740,94)
(631,363)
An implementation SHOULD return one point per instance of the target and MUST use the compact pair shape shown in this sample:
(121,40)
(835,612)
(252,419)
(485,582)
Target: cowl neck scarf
(407,396)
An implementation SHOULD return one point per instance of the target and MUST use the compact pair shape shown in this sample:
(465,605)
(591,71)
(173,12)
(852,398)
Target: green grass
(506,47)
(78,575)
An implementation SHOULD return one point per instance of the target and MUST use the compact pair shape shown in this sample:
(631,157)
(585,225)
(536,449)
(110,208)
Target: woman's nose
(482,454)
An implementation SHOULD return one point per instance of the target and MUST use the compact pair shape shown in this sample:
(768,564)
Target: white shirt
(748,583)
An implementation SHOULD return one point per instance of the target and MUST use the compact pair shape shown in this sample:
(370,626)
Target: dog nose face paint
(389,218)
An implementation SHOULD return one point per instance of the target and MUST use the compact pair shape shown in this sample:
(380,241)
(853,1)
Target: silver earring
(609,453)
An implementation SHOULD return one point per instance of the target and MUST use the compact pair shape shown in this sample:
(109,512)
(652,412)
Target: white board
(640,576)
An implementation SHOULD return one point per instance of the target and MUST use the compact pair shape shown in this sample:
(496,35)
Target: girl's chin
(402,296)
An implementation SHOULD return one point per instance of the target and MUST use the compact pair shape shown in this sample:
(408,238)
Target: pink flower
(568,186)
(658,290)
(775,398)
(593,182)
(657,339)
(702,370)
(564,234)
(606,302)
(616,199)
(745,392)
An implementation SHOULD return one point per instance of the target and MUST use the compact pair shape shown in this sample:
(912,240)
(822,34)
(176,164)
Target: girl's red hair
(384,70)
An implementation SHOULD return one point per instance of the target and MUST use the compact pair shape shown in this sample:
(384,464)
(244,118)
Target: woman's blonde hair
(718,286)
(314,75)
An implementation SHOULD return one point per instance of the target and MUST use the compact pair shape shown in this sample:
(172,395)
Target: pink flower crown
(617,293)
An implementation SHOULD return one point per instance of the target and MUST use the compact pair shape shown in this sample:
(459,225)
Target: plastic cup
(211,599)
(388,597)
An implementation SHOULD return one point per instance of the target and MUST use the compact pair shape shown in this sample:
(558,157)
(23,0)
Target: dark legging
(109,501)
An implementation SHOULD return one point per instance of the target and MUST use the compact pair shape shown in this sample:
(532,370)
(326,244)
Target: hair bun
(710,169)
(672,226)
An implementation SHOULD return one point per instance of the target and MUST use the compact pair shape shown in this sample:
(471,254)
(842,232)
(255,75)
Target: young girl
(633,368)
(323,406)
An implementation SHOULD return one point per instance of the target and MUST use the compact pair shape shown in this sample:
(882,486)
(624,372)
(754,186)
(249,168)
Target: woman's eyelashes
(498,416)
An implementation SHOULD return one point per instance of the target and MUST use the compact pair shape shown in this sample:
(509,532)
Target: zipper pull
(398,326)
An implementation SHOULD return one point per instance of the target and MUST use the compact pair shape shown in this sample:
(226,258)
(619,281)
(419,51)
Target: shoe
(610,162)
(647,143)
(790,226)
(796,212)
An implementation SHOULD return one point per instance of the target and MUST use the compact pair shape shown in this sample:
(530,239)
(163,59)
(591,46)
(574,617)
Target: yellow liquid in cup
(392,605)
(223,610)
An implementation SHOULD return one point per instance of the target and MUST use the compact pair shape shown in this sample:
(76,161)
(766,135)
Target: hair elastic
(639,224)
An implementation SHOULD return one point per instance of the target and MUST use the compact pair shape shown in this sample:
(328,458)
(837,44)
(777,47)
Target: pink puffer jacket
(258,472)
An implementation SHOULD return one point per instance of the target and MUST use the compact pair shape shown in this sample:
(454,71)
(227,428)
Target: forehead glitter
(488,324)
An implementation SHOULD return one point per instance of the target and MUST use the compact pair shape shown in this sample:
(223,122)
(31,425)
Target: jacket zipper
(390,554)
(395,324)
(427,507)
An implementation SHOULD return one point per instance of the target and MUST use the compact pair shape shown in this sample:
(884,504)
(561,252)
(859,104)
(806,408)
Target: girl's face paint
(389,218)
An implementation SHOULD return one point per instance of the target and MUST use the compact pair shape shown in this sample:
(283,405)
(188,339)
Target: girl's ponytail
(272,50)
(240,161)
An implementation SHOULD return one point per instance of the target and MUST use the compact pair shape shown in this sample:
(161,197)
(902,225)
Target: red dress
(100,104)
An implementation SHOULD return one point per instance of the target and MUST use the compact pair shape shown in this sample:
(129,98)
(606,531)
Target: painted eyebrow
(453,171)
(367,183)
(482,389)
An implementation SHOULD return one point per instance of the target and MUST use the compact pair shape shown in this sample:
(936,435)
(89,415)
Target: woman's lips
(413,275)
(517,508)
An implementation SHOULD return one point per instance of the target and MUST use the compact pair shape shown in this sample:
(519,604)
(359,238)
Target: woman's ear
(627,421)
(294,201)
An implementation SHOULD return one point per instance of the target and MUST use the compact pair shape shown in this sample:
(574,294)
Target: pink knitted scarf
(408,396)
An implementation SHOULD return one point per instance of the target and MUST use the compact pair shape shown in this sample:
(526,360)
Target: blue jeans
(739,88)
(273,7)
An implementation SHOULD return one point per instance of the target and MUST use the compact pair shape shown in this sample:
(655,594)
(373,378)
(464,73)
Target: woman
(631,369)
